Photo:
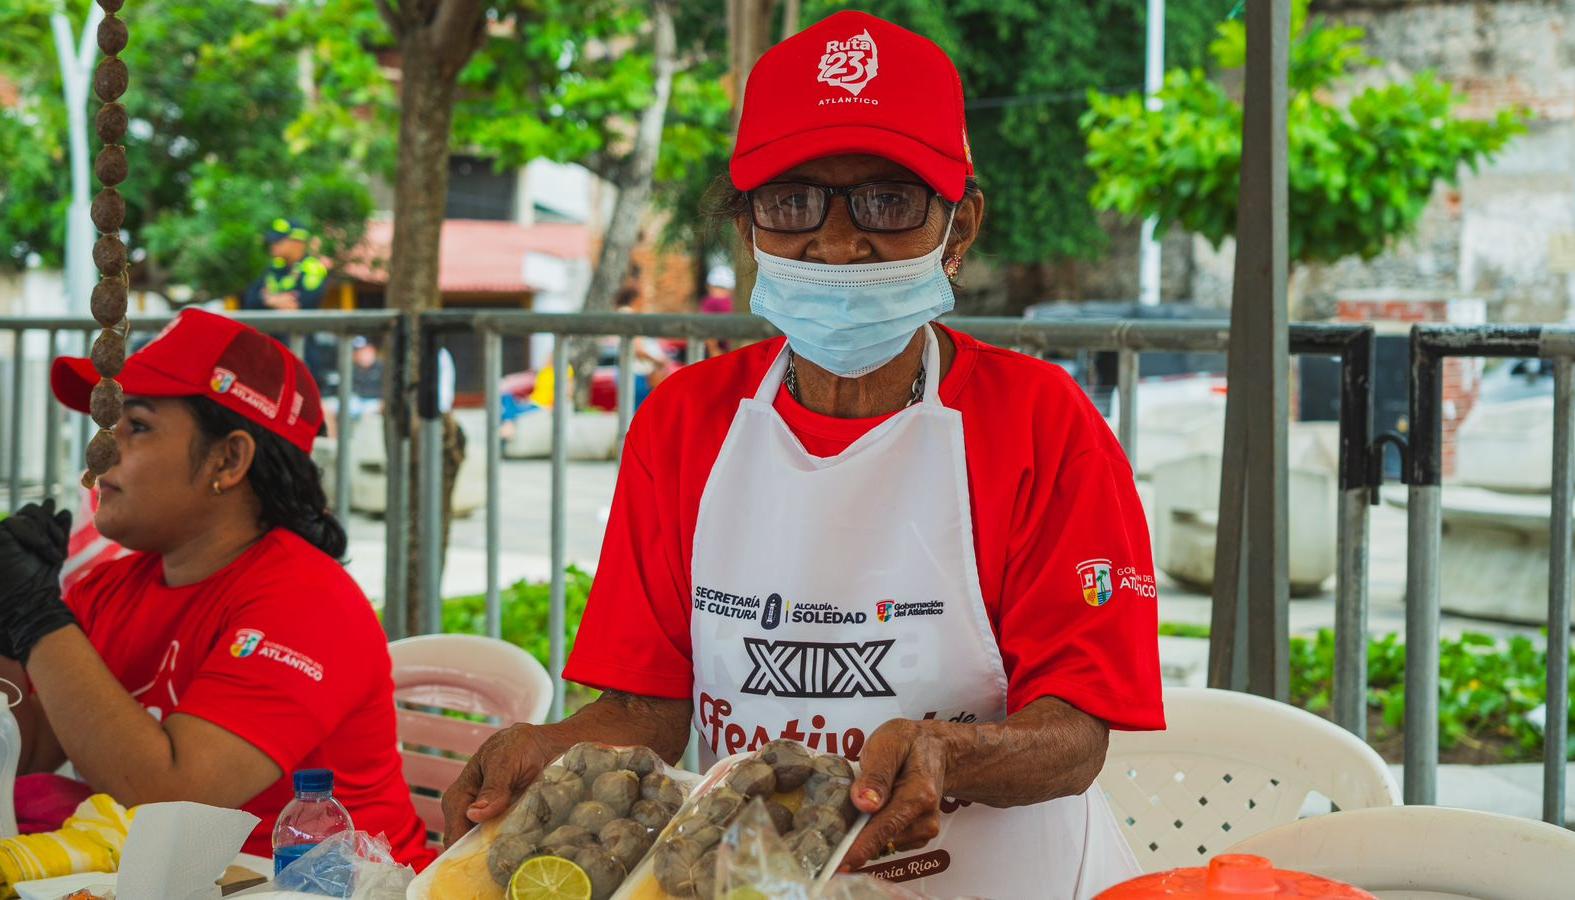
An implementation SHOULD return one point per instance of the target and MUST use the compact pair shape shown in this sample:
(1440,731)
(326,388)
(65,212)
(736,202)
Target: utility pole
(1153,80)
(76,73)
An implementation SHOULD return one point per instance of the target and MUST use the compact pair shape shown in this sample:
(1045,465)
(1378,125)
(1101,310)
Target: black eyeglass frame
(846,192)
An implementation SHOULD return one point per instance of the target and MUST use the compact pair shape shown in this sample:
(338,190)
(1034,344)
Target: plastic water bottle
(312,817)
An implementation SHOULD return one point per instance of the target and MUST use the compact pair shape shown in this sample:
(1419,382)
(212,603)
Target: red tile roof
(476,257)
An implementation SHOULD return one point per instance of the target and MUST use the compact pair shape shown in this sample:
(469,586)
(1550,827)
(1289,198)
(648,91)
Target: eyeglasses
(795,207)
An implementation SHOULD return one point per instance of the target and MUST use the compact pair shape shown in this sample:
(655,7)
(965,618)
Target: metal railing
(1130,340)
(1431,345)
(296,325)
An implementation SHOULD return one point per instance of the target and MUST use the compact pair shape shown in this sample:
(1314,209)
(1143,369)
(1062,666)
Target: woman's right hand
(498,772)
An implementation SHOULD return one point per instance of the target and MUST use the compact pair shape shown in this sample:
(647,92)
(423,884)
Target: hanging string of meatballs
(109,252)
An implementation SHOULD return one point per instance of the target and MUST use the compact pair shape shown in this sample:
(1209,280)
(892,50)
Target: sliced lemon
(746,893)
(549,878)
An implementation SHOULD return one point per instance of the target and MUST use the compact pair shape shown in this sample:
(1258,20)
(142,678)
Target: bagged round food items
(784,815)
(597,807)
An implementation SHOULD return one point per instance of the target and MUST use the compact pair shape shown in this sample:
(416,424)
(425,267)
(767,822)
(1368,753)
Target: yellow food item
(465,877)
(549,878)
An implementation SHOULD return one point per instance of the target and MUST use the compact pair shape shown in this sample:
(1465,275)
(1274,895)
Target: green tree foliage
(1025,67)
(554,79)
(1360,173)
(208,153)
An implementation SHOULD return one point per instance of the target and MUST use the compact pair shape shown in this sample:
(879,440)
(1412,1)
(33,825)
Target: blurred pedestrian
(718,300)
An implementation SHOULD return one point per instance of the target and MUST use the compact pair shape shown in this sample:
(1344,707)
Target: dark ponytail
(286,481)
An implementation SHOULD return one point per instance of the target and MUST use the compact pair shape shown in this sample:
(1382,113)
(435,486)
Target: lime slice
(746,893)
(549,878)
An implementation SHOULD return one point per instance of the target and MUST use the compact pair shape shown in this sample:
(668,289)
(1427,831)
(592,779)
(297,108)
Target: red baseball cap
(200,354)
(853,83)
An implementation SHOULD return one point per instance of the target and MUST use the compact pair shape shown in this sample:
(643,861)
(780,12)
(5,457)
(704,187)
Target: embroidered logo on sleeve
(1100,581)
(1095,576)
(250,643)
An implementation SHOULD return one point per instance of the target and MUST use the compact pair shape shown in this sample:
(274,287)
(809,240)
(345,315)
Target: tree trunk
(634,193)
(436,39)
(749,35)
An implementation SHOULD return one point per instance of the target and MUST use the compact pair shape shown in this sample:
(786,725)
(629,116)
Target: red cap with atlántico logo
(200,354)
(853,83)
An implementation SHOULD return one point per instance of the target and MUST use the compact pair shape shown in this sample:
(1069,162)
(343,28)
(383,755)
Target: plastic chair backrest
(10,756)
(1430,851)
(491,683)
(1230,765)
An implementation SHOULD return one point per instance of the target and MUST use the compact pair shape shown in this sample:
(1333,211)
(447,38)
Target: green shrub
(1486,687)
(525,606)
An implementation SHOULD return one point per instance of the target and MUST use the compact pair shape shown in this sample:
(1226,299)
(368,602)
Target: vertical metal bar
(345,447)
(1126,384)
(396,524)
(1561,587)
(1227,623)
(18,400)
(1421,645)
(85,424)
(51,431)
(431,507)
(1350,614)
(298,346)
(492,374)
(1262,264)
(696,351)
(561,398)
(1422,554)
(396,620)
(1356,494)
(625,388)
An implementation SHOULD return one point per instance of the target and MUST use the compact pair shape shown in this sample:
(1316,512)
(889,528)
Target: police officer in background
(294,279)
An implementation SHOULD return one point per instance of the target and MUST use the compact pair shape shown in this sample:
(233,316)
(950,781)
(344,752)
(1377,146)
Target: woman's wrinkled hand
(902,778)
(497,774)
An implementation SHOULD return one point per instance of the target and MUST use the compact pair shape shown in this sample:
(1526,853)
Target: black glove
(33,546)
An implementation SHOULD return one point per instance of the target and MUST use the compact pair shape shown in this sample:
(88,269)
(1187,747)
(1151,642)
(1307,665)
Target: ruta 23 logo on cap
(850,64)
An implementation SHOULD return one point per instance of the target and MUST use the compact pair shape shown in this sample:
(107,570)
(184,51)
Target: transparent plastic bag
(478,865)
(784,774)
(351,864)
(863,887)
(753,860)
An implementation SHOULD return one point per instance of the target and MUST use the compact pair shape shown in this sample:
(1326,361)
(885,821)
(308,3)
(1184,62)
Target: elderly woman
(878,536)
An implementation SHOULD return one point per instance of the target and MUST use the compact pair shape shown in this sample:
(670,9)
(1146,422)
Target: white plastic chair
(1230,765)
(463,673)
(1427,851)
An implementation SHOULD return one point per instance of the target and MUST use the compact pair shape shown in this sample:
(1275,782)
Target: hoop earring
(951,267)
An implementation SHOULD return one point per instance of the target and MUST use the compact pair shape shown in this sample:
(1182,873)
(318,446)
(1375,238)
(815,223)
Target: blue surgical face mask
(853,319)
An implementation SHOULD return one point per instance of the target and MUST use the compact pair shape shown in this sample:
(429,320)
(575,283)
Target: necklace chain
(790,381)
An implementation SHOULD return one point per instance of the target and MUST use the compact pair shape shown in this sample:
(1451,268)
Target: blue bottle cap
(314,781)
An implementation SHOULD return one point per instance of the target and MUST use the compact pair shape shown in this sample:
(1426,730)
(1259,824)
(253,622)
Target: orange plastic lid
(1232,877)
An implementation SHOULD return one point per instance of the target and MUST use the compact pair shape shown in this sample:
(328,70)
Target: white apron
(832,595)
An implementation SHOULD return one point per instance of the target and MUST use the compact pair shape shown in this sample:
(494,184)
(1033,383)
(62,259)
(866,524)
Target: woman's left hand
(902,778)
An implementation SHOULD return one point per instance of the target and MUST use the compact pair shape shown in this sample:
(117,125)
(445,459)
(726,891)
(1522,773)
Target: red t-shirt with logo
(279,647)
(1061,541)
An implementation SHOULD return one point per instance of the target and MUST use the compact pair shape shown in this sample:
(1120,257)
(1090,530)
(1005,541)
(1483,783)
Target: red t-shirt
(279,647)
(1053,500)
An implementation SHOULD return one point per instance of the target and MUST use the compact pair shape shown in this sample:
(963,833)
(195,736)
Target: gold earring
(217,491)
(952,266)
